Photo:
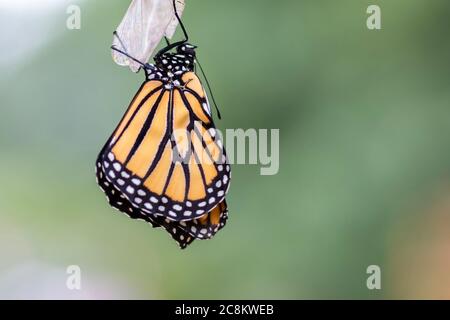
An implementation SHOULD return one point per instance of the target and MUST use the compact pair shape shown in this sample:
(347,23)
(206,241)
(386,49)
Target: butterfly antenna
(120,40)
(209,89)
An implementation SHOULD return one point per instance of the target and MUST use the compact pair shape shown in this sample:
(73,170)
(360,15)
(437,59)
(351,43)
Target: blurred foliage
(364,122)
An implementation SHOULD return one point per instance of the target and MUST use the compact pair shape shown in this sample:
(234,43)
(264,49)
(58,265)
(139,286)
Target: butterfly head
(187,49)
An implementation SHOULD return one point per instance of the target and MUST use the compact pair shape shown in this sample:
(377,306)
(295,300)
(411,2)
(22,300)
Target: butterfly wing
(184,233)
(119,202)
(203,228)
(165,156)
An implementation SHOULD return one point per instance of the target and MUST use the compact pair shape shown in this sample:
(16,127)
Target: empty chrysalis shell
(145,23)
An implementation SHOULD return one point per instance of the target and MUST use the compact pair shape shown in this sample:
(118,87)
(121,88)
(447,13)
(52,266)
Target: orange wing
(165,156)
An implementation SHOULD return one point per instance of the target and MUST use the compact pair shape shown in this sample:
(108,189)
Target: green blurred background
(364,119)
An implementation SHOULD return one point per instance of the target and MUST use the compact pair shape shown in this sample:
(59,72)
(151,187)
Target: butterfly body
(171,66)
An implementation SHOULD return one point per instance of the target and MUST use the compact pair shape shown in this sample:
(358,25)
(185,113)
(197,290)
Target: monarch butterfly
(165,162)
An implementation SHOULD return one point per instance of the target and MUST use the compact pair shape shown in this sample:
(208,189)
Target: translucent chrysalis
(145,23)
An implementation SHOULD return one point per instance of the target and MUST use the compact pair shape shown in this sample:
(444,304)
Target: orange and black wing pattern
(165,162)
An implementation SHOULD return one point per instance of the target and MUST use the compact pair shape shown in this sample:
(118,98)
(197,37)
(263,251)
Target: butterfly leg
(146,66)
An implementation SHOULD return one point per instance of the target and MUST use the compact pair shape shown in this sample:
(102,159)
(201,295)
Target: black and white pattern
(130,186)
(170,67)
(183,232)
